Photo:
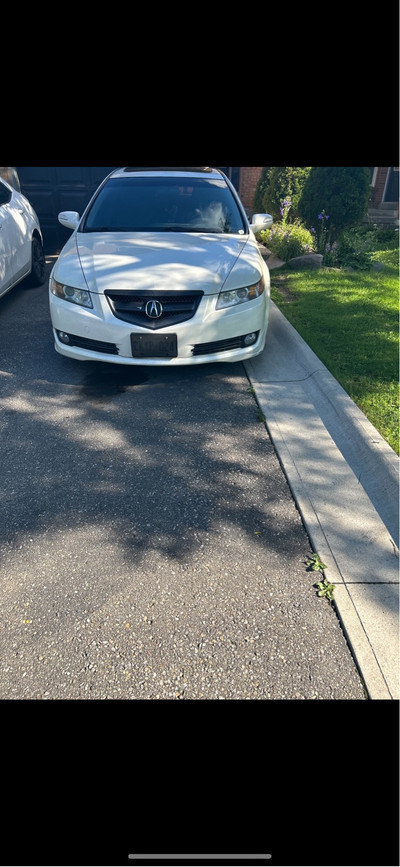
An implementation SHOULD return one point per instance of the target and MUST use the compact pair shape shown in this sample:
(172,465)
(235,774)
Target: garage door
(59,188)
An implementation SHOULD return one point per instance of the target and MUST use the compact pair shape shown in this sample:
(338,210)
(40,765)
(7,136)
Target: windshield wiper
(188,229)
(167,228)
(99,229)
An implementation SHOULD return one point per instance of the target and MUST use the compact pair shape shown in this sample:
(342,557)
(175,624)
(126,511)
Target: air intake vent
(221,345)
(87,343)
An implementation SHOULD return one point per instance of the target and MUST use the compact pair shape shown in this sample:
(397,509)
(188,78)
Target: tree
(341,193)
(260,190)
(284,183)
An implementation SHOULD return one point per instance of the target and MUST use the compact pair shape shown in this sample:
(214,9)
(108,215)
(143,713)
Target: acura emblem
(154,309)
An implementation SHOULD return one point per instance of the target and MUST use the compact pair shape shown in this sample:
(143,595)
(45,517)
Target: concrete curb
(344,478)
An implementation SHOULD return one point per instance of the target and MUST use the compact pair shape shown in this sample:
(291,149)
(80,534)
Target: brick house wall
(249,176)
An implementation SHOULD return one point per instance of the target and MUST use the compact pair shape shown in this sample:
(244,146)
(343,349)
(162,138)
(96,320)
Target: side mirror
(69,219)
(260,222)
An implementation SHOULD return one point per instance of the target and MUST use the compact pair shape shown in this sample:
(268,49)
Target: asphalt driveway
(150,547)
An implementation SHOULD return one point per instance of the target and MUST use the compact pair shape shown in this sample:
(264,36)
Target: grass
(351,321)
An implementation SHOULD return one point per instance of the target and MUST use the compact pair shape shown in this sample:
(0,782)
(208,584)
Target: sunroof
(167,169)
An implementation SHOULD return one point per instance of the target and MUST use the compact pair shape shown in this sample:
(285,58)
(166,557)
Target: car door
(7,232)
(20,234)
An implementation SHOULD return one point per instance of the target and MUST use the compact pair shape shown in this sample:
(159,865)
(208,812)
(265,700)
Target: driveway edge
(310,420)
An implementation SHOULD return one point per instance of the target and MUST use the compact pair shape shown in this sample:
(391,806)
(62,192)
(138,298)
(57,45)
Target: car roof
(167,170)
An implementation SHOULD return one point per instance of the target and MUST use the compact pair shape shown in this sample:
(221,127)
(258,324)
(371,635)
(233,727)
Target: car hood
(159,261)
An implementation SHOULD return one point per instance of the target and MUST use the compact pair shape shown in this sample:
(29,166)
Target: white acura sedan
(162,268)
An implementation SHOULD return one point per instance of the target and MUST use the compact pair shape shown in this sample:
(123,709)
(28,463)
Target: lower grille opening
(223,345)
(87,343)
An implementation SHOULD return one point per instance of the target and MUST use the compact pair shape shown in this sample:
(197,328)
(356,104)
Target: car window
(5,194)
(164,204)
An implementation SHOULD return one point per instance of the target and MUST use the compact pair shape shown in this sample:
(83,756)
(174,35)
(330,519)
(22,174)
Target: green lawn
(351,321)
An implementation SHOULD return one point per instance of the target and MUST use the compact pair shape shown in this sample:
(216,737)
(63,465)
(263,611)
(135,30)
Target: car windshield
(164,204)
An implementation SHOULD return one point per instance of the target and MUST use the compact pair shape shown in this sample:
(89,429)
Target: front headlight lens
(69,293)
(240,296)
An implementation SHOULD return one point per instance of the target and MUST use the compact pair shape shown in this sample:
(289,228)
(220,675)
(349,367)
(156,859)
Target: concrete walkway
(345,481)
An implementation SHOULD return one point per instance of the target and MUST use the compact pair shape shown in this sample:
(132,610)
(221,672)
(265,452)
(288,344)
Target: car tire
(38,272)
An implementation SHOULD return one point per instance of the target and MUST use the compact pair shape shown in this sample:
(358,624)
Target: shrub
(284,182)
(341,192)
(354,250)
(386,234)
(287,240)
(260,190)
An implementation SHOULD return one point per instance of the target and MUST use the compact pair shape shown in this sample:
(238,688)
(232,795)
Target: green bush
(354,250)
(260,190)
(386,234)
(288,240)
(340,192)
(284,182)
(379,236)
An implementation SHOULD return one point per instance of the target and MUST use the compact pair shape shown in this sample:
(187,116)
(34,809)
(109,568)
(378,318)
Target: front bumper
(209,336)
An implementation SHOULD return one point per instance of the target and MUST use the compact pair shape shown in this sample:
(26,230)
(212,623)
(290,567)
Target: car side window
(5,194)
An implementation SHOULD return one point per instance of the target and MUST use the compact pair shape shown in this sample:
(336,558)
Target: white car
(21,241)
(162,268)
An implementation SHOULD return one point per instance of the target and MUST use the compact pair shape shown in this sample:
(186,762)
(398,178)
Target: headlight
(69,293)
(239,296)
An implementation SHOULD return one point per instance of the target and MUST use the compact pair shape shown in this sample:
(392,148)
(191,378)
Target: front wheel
(37,275)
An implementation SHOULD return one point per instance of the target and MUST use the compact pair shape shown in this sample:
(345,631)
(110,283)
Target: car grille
(131,307)
(220,345)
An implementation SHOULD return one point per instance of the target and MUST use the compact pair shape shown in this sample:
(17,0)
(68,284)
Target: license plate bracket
(154,345)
